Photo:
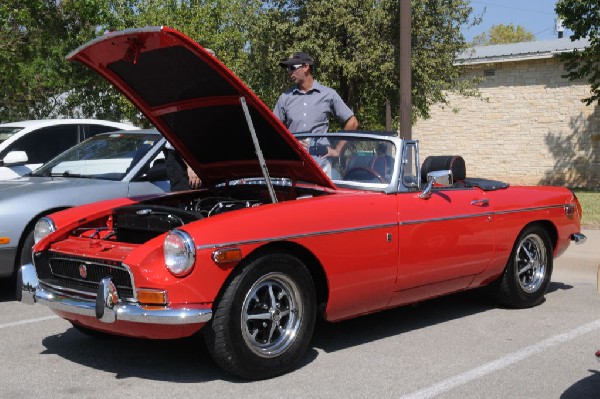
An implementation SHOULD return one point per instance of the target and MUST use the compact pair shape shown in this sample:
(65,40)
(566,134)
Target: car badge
(83,270)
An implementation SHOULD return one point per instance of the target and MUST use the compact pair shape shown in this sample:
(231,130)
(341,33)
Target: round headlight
(43,227)
(180,252)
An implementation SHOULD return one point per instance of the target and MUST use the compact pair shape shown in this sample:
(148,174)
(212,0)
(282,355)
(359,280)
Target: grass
(590,202)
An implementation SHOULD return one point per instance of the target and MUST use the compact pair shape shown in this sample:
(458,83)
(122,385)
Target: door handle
(481,202)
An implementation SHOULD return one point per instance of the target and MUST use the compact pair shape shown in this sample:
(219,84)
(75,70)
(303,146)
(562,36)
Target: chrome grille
(65,270)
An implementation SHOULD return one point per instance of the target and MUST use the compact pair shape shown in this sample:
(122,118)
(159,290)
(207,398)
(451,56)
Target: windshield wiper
(34,174)
(66,173)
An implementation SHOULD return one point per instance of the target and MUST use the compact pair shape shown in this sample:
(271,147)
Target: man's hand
(194,180)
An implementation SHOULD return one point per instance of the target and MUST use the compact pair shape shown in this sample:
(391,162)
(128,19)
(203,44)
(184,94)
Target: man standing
(308,105)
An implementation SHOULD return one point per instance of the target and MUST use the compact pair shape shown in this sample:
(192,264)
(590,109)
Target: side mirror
(157,172)
(15,157)
(438,178)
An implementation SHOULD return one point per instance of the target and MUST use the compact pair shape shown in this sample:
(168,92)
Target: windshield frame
(7,132)
(395,150)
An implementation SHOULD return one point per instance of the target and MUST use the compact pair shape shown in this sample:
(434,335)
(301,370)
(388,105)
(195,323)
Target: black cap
(297,58)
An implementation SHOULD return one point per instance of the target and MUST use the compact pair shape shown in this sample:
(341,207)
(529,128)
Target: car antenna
(261,159)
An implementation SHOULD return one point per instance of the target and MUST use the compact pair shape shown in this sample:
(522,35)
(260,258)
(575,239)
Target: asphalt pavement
(581,260)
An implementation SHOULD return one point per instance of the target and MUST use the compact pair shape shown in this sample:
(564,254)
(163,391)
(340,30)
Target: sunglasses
(292,68)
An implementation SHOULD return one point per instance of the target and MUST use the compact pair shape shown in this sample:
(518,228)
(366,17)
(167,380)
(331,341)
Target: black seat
(455,163)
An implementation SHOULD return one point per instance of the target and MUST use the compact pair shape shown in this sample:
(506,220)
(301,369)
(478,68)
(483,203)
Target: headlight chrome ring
(179,252)
(43,227)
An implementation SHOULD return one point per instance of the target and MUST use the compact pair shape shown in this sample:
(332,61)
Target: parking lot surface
(460,346)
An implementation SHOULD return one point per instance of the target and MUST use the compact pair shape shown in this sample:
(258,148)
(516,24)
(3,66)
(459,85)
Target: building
(529,126)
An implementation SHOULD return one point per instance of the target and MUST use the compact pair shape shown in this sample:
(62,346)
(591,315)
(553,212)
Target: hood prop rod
(261,159)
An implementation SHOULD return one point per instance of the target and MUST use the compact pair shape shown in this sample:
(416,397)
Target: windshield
(105,156)
(363,162)
(8,132)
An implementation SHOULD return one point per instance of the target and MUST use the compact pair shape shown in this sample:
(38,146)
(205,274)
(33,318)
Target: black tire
(26,255)
(527,274)
(264,320)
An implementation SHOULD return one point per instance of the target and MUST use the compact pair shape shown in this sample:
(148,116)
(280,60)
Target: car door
(444,240)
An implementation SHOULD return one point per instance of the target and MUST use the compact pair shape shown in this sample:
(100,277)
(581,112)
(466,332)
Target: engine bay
(145,220)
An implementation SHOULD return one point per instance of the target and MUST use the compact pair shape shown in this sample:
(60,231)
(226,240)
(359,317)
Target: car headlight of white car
(43,227)
(179,252)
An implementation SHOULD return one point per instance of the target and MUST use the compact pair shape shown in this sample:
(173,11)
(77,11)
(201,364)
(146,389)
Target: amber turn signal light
(227,255)
(151,297)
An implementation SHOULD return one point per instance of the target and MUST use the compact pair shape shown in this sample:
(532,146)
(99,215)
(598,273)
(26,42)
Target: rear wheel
(264,320)
(527,275)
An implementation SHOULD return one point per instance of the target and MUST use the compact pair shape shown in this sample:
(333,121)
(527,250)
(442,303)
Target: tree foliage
(355,44)
(582,17)
(503,34)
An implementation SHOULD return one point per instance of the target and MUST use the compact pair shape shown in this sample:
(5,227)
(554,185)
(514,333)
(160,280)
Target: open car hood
(195,101)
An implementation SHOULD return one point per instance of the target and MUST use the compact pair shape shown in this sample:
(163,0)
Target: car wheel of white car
(529,269)
(264,321)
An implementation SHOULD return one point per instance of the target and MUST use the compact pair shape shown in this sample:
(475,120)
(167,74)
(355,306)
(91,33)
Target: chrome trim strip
(291,237)
(537,208)
(372,227)
(32,293)
(472,216)
(484,214)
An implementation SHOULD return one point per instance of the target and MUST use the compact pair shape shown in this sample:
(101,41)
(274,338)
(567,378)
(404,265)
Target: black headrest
(454,163)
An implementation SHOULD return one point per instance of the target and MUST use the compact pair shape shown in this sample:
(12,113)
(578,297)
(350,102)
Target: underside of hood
(195,101)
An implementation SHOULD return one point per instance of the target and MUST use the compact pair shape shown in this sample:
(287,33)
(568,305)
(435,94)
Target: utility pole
(405,71)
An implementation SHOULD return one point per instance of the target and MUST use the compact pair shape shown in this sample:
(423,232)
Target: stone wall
(529,128)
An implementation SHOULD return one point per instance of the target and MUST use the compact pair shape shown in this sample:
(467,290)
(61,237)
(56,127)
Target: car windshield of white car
(7,132)
(107,156)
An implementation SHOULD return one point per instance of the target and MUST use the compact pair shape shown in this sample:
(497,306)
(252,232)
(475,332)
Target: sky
(536,16)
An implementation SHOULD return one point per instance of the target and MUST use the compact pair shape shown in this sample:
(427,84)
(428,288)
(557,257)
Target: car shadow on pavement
(585,388)
(7,290)
(182,360)
(556,286)
(188,361)
(331,337)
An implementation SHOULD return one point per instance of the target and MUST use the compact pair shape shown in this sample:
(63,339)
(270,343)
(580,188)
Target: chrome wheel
(530,261)
(527,274)
(264,319)
(271,315)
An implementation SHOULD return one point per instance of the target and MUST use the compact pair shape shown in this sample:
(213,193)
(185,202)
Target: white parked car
(26,145)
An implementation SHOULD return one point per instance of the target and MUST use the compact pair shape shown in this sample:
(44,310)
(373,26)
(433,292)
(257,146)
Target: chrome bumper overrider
(578,238)
(106,307)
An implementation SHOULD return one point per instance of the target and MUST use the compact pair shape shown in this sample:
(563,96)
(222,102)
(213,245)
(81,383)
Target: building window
(489,72)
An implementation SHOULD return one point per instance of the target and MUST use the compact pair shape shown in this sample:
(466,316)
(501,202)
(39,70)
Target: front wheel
(265,318)
(527,275)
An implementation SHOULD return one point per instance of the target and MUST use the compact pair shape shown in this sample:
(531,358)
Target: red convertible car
(271,242)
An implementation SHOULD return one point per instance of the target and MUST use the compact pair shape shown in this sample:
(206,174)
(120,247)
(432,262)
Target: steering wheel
(361,173)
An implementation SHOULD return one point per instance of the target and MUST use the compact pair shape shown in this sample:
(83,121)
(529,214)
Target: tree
(355,42)
(32,36)
(356,45)
(582,17)
(503,34)
(220,25)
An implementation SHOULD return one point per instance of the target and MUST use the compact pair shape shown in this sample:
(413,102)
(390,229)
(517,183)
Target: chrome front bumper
(106,307)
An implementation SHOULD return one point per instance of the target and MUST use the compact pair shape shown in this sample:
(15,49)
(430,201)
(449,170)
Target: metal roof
(519,51)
